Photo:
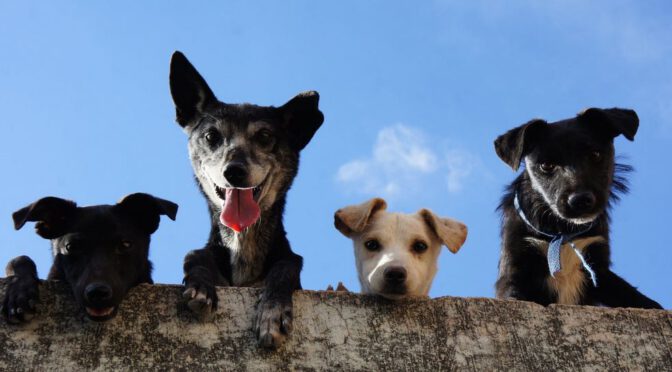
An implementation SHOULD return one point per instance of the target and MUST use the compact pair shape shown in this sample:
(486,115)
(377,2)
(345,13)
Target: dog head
(244,156)
(396,254)
(102,251)
(570,163)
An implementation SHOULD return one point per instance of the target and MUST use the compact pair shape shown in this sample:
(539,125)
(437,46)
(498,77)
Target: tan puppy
(396,253)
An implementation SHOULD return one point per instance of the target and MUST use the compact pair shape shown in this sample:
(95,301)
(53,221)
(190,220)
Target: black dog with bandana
(555,226)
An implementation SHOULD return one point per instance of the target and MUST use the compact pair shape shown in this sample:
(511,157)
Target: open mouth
(100,314)
(240,206)
(221,191)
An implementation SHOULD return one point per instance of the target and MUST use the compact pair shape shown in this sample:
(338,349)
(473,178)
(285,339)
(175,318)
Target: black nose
(97,293)
(581,201)
(235,174)
(395,275)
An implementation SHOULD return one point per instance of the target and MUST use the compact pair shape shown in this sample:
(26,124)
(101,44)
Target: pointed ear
(53,216)
(302,118)
(512,145)
(145,209)
(355,218)
(613,122)
(190,92)
(452,233)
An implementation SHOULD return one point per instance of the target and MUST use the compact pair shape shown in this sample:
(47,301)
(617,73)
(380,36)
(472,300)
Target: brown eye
(597,156)
(264,137)
(212,137)
(419,247)
(547,168)
(372,245)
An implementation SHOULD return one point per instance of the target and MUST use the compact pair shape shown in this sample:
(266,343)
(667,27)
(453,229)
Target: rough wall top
(338,331)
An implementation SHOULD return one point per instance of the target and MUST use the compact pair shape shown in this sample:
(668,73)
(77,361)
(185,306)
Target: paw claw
(198,301)
(189,293)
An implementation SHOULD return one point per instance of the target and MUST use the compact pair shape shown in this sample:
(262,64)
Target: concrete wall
(338,331)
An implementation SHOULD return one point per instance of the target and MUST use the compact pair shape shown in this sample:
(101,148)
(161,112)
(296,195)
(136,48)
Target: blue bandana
(555,245)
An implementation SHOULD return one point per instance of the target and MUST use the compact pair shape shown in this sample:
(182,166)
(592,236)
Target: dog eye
(125,246)
(372,245)
(419,247)
(212,137)
(547,168)
(69,248)
(264,137)
(597,156)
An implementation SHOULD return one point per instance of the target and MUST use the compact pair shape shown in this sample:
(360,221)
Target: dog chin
(393,294)
(101,314)
(581,220)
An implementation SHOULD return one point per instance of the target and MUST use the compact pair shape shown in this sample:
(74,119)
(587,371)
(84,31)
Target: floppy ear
(53,216)
(512,145)
(354,219)
(190,92)
(613,121)
(145,209)
(452,233)
(302,118)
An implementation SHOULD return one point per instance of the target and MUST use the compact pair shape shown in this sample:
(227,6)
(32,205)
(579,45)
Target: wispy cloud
(403,161)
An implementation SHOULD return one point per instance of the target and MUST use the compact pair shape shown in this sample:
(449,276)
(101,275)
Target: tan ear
(452,233)
(354,219)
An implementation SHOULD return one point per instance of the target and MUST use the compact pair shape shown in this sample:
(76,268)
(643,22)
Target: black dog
(100,251)
(555,227)
(245,158)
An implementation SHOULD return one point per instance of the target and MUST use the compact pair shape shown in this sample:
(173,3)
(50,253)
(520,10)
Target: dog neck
(556,242)
(248,249)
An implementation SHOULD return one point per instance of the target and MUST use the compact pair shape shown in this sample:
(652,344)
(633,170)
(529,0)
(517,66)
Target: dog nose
(235,174)
(581,201)
(96,293)
(395,275)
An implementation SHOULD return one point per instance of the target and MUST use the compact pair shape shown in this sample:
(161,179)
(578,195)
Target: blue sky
(414,93)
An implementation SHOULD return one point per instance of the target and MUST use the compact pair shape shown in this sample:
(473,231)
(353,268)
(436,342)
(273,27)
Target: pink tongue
(240,210)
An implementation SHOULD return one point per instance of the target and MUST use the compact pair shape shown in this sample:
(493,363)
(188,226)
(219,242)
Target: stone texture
(337,331)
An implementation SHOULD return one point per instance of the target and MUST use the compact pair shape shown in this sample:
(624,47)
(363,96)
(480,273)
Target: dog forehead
(398,225)
(566,138)
(245,113)
(99,219)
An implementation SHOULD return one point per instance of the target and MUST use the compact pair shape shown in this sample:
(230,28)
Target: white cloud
(403,161)
(459,164)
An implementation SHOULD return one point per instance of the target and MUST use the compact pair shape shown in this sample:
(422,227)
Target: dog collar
(555,245)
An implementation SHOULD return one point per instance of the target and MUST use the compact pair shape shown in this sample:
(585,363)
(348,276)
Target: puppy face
(396,254)
(570,163)
(244,156)
(100,251)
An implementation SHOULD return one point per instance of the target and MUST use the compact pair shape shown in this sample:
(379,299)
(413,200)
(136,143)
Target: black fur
(565,159)
(223,135)
(99,251)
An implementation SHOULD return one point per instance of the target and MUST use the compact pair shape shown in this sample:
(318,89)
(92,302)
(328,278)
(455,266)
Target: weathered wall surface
(334,331)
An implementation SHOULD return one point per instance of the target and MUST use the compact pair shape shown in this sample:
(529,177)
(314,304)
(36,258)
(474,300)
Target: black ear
(146,210)
(53,216)
(613,121)
(302,118)
(190,92)
(512,146)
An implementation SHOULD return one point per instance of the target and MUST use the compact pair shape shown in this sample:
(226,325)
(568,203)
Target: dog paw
(21,298)
(201,299)
(273,323)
